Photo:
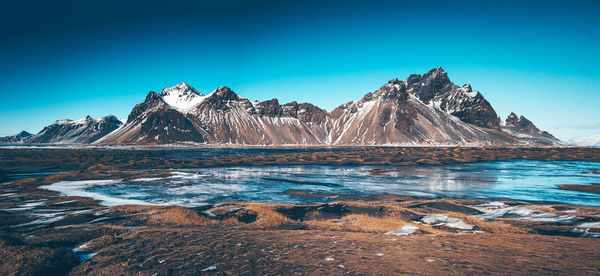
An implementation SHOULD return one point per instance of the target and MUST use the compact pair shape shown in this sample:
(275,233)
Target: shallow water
(532,181)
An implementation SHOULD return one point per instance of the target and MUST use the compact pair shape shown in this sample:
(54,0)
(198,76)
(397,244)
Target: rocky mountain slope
(83,131)
(524,129)
(17,138)
(422,110)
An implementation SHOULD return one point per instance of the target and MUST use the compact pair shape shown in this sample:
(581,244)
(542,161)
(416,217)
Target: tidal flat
(308,210)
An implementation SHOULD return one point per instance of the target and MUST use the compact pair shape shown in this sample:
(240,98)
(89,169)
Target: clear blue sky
(68,59)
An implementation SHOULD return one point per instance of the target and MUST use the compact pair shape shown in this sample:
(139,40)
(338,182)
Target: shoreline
(44,231)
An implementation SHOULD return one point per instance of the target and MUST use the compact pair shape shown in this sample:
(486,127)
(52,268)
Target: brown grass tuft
(180,216)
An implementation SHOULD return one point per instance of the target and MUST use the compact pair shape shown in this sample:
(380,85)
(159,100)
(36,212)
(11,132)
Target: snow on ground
(27,206)
(404,230)
(501,210)
(443,220)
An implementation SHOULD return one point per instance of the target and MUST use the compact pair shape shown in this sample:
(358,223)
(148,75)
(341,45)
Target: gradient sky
(68,59)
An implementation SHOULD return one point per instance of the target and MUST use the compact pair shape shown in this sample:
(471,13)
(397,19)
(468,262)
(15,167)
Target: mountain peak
(182,84)
(224,92)
(180,89)
(438,74)
(512,119)
(467,88)
(24,134)
(181,96)
(394,81)
(435,82)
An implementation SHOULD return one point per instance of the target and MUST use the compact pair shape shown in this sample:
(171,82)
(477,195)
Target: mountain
(83,131)
(221,117)
(524,129)
(15,139)
(422,110)
(425,109)
(588,141)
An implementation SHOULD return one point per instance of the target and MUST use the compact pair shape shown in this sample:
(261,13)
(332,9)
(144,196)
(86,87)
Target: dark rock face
(405,117)
(17,138)
(473,110)
(152,100)
(435,82)
(305,112)
(470,107)
(395,90)
(385,116)
(165,126)
(269,108)
(84,131)
(222,98)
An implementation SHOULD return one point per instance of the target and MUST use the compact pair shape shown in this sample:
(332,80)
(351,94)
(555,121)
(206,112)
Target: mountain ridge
(422,110)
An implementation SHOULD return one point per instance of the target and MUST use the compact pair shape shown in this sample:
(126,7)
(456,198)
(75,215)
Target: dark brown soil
(105,162)
(593,188)
(190,251)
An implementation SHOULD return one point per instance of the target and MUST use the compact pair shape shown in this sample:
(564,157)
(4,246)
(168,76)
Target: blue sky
(68,59)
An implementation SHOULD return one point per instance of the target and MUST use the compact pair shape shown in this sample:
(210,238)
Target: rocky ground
(42,232)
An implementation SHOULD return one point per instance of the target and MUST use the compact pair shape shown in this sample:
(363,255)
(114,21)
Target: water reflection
(512,180)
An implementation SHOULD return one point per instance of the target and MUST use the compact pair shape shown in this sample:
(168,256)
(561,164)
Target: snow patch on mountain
(182,97)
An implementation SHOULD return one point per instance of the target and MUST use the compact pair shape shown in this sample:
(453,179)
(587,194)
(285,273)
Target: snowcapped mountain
(15,139)
(83,131)
(399,113)
(181,97)
(524,129)
(588,141)
(422,110)
(221,117)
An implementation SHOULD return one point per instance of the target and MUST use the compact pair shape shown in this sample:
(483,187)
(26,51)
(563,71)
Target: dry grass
(367,217)
(267,216)
(180,216)
(358,223)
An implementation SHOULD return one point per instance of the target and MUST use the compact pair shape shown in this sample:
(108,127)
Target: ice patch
(26,206)
(595,224)
(148,179)
(78,188)
(501,210)
(212,267)
(404,230)
(42,221)
(443,220)
(86,256)
(64,202)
